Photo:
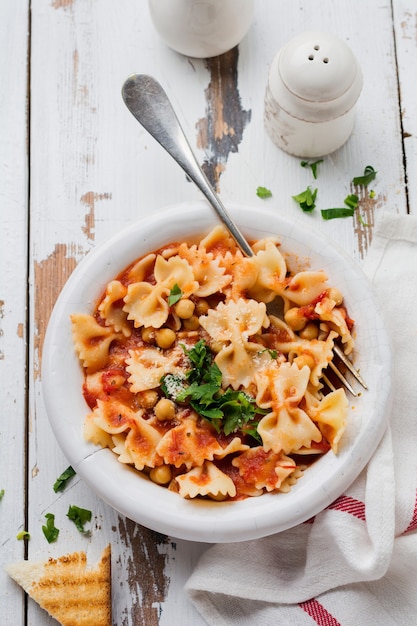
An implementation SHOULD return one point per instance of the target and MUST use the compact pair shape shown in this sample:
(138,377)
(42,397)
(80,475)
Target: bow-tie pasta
(206,371)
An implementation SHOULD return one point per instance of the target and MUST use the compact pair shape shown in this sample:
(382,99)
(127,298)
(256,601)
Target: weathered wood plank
(14,42)
(405,25)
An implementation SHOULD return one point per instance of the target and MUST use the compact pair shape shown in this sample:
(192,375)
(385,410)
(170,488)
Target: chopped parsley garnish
(61,481)
(23,534)
(2,492)
(351,202)
(227,410)
(368,176)
(306,199)
(79,516)
(174,295)
(331,214)
(313,165)
(372,193)
(362,221)
(263,192)
(50,531)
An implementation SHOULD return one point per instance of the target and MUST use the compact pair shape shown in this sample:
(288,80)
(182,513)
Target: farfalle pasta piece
(207,272)
(91,340)
(141,437)
(330,414)
(205,480)
(146,304)
(111,309)
(305,287)
(336,318)
(146,367)
(272,271)
(233,323)
(287,427)
(190,444)
(264,469)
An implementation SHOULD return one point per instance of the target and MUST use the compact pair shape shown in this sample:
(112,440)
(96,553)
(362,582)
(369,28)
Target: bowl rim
(199,520)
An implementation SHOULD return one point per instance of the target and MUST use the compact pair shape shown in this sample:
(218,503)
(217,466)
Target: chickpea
(310,331)
(161,474)
(148,399)
(184,308)
(294,320)
(164,409)
(165,337)
(201,307)
(334,294)
(148,334)
(192,323)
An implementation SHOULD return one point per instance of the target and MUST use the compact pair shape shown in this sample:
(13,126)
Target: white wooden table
(75,167)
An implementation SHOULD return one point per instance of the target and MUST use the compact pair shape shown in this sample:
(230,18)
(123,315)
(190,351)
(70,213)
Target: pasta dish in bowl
(196,374)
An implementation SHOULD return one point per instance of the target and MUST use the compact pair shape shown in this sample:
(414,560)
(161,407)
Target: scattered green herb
(2,492)
(352,201)
(331,214)
(174,295)
(313,165)
(263,192)
(79,516)
(50,531)
(227,410)
(23,534)
(61,481)
(362,221)
(372,193)
(306,199)
(368,176)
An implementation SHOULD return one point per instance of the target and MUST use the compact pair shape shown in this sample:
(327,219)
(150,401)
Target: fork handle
(149,104)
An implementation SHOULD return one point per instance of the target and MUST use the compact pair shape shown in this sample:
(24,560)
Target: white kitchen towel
(355,563)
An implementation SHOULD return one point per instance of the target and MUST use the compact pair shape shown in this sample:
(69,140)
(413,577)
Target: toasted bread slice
(67,589)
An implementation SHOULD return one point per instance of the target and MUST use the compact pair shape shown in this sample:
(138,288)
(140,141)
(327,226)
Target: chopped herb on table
(313,165)
(351,201)
(306,199)
(50,531)
(2,492)
(368,176)
(62,480)
(228,411)
(174,295)
(23,534)
(79,516)
(263,192)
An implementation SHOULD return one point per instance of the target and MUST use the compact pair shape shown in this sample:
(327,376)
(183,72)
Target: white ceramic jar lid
(315,77)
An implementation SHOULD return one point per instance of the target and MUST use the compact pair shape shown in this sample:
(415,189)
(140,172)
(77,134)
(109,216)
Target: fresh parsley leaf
(23,534)
(306,199)
(263,192)
(372,193)
(79,516)
(2,492)
(368,176)
(331,214)
(50,531)
(61,481)
(174,295)
(362,221)
(228,410)
(313,165)
(352,201)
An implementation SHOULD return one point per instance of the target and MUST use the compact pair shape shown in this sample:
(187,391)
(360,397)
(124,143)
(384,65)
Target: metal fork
(150,105)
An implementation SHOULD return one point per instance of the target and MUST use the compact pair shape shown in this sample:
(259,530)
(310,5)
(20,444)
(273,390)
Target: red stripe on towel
(320,615)
(413,524)
(346,504)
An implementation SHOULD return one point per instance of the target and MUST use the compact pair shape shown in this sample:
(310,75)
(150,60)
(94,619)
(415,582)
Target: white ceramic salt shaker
(201,28)
(314,83)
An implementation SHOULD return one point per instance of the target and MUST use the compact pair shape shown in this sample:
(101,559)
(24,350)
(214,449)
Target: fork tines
(340,354)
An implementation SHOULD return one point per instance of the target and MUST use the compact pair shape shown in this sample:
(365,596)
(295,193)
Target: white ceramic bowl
(131,493)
